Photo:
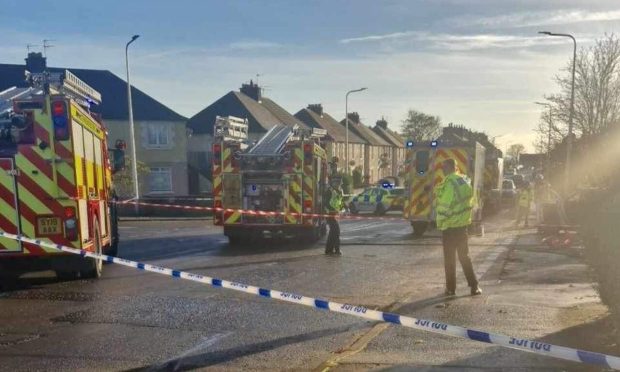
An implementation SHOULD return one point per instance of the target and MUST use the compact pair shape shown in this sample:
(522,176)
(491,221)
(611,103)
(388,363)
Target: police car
(378,200)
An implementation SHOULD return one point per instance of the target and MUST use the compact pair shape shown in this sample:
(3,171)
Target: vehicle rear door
(9,219)
(367,201)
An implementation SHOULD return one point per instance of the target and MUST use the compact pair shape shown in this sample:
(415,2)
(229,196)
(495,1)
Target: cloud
(395,35)
(540,18)
(455,42)
(253,45)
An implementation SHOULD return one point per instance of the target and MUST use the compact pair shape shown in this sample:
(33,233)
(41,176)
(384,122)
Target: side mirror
(118,160)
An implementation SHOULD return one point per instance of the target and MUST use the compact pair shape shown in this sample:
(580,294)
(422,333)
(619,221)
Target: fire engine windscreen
(421,161)
(16,130)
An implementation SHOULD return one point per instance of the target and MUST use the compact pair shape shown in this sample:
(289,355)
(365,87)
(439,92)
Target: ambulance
(424,173)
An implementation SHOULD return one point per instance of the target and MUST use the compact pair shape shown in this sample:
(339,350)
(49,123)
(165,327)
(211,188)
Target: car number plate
(49,226)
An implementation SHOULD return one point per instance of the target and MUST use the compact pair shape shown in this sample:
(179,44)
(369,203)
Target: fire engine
(424,173)
(285,171)
(55,176)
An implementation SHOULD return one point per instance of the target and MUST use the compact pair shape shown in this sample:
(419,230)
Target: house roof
(113,91)
(261,115)
(389,136)
(334,130)
(279,112)
(365,133)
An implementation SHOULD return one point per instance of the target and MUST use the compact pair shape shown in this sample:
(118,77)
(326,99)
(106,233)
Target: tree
(597,89)
(513,153)
(419,126)
(548,134)
(357,177)
(347,182)
(123,180)
(515,150)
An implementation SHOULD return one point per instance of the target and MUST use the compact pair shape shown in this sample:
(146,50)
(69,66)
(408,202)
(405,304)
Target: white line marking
(204,343)
(489,261)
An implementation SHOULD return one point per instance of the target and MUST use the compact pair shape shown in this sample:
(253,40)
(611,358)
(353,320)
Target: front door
(9,218)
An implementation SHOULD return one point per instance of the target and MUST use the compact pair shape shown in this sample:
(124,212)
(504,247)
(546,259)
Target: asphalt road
(134,320)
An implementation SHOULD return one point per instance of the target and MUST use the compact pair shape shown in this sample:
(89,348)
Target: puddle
(51,296)
(10,339)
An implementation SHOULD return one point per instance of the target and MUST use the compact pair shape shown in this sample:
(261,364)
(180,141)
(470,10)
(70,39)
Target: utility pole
(346,125)
(569,140)
(132,135)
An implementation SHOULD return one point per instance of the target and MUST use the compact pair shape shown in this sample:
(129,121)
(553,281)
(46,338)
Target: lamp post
(132,136)
(569,141)
(549,134)
(346,118)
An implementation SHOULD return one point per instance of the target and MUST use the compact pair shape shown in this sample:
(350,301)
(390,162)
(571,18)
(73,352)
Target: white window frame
(159,130)
(160,170)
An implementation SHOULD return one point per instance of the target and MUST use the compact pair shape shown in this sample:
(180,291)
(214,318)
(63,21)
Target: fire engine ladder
(65,83)
(273,142)
(7,96)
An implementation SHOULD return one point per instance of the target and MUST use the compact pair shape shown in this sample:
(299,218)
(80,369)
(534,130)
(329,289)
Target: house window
(160,179)
(158,135)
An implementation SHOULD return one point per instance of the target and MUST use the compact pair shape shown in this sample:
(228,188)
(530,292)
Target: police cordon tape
(258,213)
(560,352)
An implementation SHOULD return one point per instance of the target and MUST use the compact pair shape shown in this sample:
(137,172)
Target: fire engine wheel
(419,228)
(353,209)
(315,235)
(380,210)
(235,240)
(113,249)
(94,267)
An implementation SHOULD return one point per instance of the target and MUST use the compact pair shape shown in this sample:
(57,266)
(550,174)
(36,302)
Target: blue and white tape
(537,347)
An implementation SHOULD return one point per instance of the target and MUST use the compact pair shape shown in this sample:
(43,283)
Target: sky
(479,63)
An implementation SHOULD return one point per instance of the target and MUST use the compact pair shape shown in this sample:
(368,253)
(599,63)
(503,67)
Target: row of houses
(376,152)
(177,150)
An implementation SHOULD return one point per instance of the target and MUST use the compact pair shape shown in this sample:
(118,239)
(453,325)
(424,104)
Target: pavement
(131,320)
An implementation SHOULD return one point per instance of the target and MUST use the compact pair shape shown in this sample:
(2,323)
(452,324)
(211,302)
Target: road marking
(175,363)
(490,261)
(357,346)
(361,342)
(367,226)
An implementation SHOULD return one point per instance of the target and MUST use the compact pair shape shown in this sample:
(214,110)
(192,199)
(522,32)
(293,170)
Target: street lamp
(549,134)
(569,141)
(132,136)
(346,118)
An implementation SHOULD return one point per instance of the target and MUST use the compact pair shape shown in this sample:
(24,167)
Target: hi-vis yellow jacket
(454,200)
(525,198)
(332,200)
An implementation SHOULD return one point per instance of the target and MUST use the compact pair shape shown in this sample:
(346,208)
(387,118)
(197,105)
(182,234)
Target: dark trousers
(333,238)
(455,241)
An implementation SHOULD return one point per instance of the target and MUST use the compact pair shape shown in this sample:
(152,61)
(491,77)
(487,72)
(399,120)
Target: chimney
(251,90)
(36,62)
(317,108)
(354,117)
(382,123)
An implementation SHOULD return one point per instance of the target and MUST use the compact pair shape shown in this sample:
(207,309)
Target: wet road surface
(134,320)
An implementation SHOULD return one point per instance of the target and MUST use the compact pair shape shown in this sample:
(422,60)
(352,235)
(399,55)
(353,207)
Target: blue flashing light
(434,143)
(409,144)
(387,185)
(253,187)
